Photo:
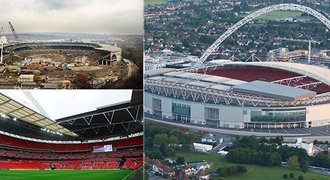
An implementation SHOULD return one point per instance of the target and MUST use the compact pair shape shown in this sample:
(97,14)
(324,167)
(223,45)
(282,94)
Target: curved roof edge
(315,72)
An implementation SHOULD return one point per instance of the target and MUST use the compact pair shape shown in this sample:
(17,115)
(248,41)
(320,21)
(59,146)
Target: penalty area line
(128,175)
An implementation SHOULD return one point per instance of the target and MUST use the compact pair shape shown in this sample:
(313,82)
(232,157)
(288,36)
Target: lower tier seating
(101,163)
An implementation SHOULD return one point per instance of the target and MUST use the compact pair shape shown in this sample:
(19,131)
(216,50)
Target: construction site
(61,64)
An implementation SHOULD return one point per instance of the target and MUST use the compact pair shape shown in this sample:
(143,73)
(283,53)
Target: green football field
(68,174)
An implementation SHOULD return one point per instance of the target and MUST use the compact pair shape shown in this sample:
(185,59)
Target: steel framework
(289,81)
(181,90)
(252,16)
(133,118)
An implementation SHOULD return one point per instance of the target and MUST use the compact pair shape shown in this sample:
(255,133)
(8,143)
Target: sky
(74,16)
(63,103)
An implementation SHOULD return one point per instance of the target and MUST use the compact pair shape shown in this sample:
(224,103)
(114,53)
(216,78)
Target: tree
(222,171)
(300,177)
(305,167)
(155,154)
(232,170)
(180,160)
(161,139)
(285,176)
(293,161)
(170,151)
(321,160)
(291,175)
(186,147)
(173,139)
(278,140)
(148,142)
(241,169)
(82,80)
(275,159)
(163,149)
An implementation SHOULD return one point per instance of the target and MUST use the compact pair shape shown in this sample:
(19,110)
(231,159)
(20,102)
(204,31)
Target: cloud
(88,16)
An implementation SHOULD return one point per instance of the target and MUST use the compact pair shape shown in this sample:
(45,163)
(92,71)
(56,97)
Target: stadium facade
(241,95)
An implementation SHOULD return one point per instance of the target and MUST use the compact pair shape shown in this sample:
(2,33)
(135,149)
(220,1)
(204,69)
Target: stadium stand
(250,73)
(28,146)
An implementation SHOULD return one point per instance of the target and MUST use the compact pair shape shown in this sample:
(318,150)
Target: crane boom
(14,32)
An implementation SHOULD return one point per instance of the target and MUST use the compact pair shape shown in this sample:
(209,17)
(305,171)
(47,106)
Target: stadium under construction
(61,64)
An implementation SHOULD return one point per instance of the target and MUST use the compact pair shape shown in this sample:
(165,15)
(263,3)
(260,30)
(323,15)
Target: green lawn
(255,172)
(151,2)
(66,174)
(281,14)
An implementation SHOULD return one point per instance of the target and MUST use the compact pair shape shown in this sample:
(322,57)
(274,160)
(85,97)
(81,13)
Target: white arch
(250,17)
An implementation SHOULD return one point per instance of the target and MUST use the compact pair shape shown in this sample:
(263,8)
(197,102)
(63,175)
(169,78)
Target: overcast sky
(63,103)
(83,16)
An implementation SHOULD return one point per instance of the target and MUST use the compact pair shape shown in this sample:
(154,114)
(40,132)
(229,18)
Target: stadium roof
(159,71)
(16,110)
(118,119)
(109,47)
(204,78)
(315,72)
(273,90)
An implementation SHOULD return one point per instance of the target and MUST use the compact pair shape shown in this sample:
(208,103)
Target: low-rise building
(202,147)
(304,144)
(162,169)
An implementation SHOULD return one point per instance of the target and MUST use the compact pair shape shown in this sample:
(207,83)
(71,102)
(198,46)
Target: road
(130,69)
(222,131)
(240,132)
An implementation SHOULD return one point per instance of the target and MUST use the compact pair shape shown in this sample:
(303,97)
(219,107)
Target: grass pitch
(67,174)
(254,172)
(280,15)
(153,2)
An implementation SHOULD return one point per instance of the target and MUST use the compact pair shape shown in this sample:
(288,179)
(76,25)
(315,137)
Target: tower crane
(13,31)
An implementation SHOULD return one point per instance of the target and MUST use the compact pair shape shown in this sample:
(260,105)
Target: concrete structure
(283,54)
(163,58)
(114,54)
(25,78)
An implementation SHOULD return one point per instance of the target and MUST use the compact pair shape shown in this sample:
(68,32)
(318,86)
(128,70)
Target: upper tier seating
(265,74)
(22,154)
(20,143)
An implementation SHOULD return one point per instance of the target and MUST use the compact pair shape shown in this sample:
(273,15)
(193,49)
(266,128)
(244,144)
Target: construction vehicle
(66,83)
(41,79)
(34,65)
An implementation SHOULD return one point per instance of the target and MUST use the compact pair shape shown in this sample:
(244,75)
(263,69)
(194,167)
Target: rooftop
(273,90)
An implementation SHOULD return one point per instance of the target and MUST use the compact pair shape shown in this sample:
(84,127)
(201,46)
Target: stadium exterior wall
(166,108)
